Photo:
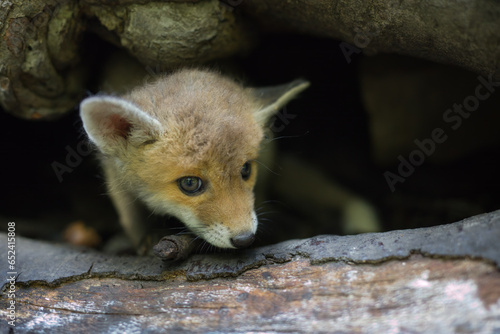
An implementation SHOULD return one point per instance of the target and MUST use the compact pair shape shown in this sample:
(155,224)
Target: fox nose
(243,240)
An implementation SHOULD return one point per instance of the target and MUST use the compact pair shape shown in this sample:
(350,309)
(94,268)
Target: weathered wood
(417,295)
(42,74)
(442,279)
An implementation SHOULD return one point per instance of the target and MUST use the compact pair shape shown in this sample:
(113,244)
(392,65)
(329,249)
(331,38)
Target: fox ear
(112,122)
(275,97)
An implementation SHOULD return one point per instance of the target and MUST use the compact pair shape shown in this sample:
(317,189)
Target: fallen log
(441,279)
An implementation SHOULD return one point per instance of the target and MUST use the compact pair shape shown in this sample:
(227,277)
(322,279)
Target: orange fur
(193,123)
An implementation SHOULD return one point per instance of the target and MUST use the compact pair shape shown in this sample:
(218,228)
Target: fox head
(187,145)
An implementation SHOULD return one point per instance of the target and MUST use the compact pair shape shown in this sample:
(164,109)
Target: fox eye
(190,185)
(246,171)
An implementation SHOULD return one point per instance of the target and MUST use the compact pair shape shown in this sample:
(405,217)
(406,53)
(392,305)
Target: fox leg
(131,213)
(130,218)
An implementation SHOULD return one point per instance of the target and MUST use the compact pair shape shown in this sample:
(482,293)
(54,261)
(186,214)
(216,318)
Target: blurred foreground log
(443,279)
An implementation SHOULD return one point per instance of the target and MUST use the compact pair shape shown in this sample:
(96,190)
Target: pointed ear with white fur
(112,123)
(275,97)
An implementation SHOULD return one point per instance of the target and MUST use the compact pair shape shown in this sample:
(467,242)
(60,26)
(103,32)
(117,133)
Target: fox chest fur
(186,145)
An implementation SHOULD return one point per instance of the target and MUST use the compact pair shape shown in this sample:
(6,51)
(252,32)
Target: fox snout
(243,240)
(230,234)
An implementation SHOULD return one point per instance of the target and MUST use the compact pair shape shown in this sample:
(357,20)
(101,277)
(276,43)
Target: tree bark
(42,74)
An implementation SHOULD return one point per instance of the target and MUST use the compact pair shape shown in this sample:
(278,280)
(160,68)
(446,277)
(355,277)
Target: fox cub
(187,146)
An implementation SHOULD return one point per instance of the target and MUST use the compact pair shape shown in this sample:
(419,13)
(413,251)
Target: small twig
(174,247)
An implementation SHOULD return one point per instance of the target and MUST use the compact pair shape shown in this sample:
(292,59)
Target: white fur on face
(220,235)
(214,233)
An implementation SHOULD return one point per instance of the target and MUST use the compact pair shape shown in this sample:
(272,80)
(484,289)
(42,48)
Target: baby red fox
(186,146)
